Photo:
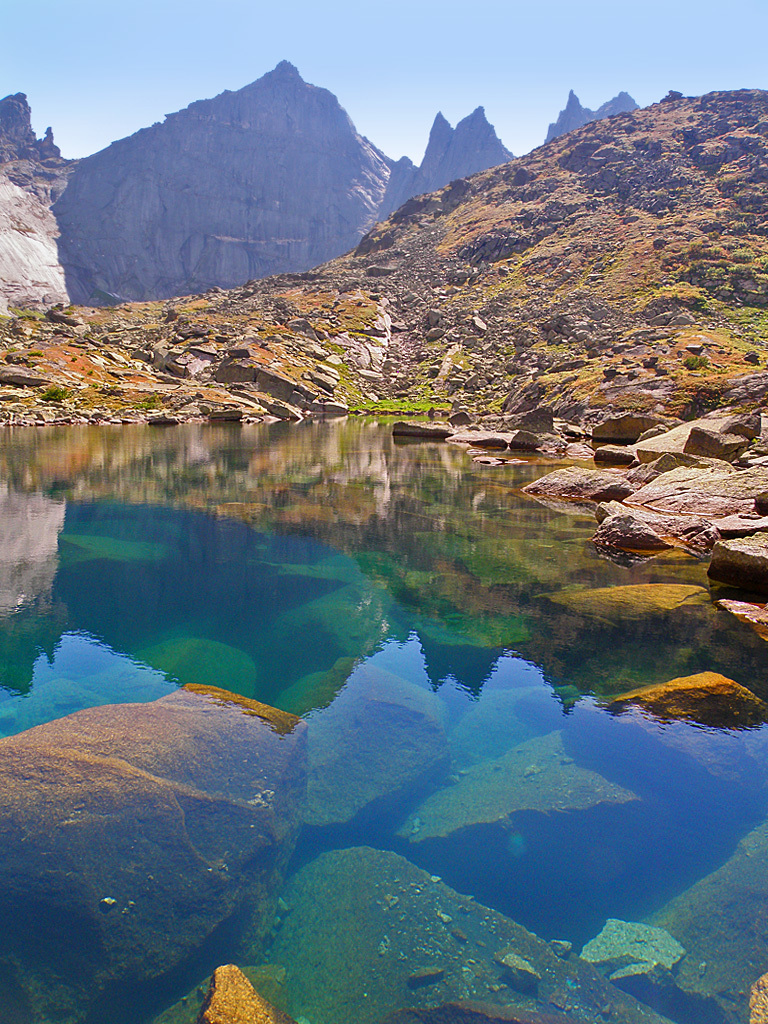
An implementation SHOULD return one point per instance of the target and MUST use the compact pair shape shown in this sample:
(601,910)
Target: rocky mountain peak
(574,115)
(451,153)
(268,178)
(17,140)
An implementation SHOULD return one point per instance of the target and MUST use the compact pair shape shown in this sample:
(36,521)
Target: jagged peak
(285,70)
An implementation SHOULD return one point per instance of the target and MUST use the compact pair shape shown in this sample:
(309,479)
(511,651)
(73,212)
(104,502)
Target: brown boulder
(715,444)
(614,455)
(707,698)
(623,429)
(576,484)
(758,1001)
(429,431)
(741,562)
(627,532)
(232,999)
(130,833)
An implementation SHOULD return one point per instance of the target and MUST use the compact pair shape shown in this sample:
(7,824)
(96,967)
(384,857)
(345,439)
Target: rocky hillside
(451,153)
(575,116)
(621,267)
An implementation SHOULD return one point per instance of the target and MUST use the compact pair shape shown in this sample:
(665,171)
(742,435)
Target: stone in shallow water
(576,484)
(706,698)
(636,601)
(362,920)
(381,735)
(500,720)
(193,660)
(742,562)
(129,833)
(623,944)
(232,999)
(722,923)
(535,776)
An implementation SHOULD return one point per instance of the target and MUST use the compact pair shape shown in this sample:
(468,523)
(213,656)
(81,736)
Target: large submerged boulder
(130,833)
(369,921)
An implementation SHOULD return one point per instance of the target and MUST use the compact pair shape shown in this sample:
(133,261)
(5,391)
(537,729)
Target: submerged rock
(721,922)
(535,776)
(477,1013)
(636,601)
(628,944)
(232,999)
(756,615)
(363,920)
(381,735)
(758,1001)
(706,698)
(130,833)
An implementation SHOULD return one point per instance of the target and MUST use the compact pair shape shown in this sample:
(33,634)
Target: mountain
(623,266)
(576,116)
(451,153)
(268,178)
(33,164)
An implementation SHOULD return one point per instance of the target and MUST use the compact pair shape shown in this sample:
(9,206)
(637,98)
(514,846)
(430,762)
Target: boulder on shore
(577,484)
(741,562)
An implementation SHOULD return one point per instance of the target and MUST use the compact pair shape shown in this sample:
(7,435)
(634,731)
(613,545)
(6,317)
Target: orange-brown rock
(707,698)
(758,1001)
(232,999)
(130,833)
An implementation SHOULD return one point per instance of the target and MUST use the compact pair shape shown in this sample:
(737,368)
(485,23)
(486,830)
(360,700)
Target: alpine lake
(444,799)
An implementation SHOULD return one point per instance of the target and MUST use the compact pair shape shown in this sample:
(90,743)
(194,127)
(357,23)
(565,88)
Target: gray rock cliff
(575,116)
(451,153)
(271,178)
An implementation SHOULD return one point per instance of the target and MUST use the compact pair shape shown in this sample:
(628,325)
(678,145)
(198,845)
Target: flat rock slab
(755,615)
(537,775)
(743,525)
(481,439)
(707,492)
(575,483)
(429,431)
(742,563)
(623,944)
(706,698)
(364,920)
(130,833)
(635,601)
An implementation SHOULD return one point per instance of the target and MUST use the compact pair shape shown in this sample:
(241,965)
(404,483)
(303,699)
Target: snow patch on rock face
(30,272)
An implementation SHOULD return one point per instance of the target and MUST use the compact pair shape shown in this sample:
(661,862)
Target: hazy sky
(97,70)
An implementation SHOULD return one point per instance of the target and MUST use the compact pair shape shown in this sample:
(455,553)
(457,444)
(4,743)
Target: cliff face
(451,153)
(30,273)
(576,116)
(270,178)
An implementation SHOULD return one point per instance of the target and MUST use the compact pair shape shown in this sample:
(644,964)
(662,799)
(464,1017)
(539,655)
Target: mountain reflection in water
(452,645)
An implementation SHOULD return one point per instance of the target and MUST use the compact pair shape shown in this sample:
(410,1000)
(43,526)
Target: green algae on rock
(706,698)
(537,775)
(361,919)
(634,601)
(204,662)
(130,833)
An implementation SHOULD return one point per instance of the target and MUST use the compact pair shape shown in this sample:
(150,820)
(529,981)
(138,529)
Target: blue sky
(97,71)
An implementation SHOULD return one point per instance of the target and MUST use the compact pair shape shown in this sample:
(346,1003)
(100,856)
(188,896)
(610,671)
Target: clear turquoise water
(289,564)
